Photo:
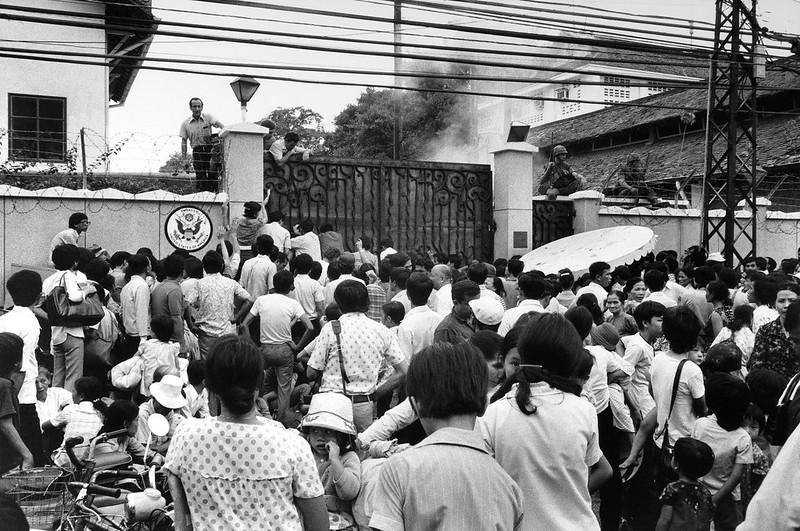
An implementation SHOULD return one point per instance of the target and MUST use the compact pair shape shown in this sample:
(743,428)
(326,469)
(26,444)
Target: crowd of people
(307,386)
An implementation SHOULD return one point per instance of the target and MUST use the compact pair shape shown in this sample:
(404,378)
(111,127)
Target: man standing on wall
(78,223)
(197,131)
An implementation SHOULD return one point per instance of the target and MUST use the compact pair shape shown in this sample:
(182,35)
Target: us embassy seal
(188,228)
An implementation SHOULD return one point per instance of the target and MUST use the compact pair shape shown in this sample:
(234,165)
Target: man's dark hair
(137,264)
(306,225)
(419,287)
(728,398)
(477,273)
(395,310)
(447,380)
(645,311)
(681,327)
(264,244)
(275,215)
(316,270)
(283,282)
(730,277)
(400,277)
(533,287)
(76,219)
(302,264)
(515,267)
(792,321)
(500,266)
(694,457)
(352,296)
(581,318)
(761,263)
(596,269)
(366,243)
(196,372)
(385,270)
(64,256)
(162,327)
(765,291)
(195,99)
(332,312)
(346,265)
(173,265)
(718,291)
(118,258)
(655,280)
(24,286)
(386,242)
(788,265)
(213,262)
(334,271)
(463,289)
(399,259)
(96,270)
(84,257)
(291,136)
(147,251)
(702,276)
(193,267)
(10,353)
(326,227)
(489,342)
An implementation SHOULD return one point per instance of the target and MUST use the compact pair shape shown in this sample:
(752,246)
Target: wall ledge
(59,192)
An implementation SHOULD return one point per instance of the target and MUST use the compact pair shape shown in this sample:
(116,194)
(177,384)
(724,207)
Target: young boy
(12,449)
(639,352)
(728,399)
(447,386)
(686,503)
(393,314)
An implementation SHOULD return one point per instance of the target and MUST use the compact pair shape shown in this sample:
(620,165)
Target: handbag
(667,450)
(63,312)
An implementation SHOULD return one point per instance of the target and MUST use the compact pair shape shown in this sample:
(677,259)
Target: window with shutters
(37,128)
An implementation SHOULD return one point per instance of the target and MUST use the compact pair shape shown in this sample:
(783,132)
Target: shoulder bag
(63,312)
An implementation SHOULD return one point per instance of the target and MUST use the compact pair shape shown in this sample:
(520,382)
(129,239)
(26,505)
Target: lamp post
(244,88)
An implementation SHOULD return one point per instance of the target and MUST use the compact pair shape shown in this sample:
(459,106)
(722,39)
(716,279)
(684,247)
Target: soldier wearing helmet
(558,178)
(632,181)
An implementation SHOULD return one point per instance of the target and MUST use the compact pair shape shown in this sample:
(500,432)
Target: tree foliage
(304,121)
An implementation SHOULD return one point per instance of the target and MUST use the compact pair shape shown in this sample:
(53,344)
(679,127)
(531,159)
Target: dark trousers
(644,489)
(205,179)
(280,368)
(611,492)
(31,432)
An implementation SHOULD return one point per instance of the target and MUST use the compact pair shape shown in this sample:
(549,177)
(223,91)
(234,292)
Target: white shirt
(73,280)
(597,384)
(548,454)
(277,313)
(512,315)
(762,315)
(444,300)
(639,353)
(729,447)
(57,399)
(66,236)
(22,322)
(308,292)
(257,275)
(416,331)
(675,291)
(135,302)
(663,298)
(387,252)
(330,287)
(280,236)
(595,289)
(402,298)
(690,387)
(307,243)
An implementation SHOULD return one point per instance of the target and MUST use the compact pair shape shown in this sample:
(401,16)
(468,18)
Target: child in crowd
(123,414)
(13,451)
(754,423)
(490,344)
(638,351)
(728,399)
(393,314)
(168,400)
(686,503)
(83,418)
(622,321)
(739,330)
(157,352)
(195,391)
(331,434)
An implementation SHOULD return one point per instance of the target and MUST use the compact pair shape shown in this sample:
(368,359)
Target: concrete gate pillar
(513,207)
(243,175)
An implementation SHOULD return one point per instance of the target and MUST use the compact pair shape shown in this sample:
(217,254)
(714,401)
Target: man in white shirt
(307,242)
(600,273)
(639,353)
(655,281)
(442,278)
(283,149)
(257,272)
(419,324)
(278,312)
(25,287)
(346,264)
(387,248)
(78,223)
(281,238)
(196,130)
(536,293)
(307,291)
(135,303)
(478,273)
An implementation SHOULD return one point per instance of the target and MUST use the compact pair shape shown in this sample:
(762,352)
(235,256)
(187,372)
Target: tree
(174,164)
(304,121)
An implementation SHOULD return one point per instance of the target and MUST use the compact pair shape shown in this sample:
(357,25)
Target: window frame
(38,134)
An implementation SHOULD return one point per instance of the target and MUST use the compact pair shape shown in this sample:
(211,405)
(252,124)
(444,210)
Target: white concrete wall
(85,87)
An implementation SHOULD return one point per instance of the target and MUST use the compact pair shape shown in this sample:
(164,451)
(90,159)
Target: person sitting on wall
(283,149)
(558,178)
(78,223)
(632,183)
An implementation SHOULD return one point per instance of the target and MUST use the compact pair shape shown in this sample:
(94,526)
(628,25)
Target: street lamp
(244,88)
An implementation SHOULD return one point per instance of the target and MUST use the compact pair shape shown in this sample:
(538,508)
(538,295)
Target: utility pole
(397,138)
(83,156)
(730,163)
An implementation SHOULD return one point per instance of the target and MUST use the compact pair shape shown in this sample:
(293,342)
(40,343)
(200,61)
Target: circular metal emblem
(188,228)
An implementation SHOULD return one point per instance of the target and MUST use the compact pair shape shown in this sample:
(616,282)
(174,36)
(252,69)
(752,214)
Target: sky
(150,117)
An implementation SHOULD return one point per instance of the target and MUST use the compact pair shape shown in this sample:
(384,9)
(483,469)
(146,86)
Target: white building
(569,95)
(44,104)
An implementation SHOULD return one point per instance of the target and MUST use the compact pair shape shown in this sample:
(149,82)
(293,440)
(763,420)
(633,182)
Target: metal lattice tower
(730,164)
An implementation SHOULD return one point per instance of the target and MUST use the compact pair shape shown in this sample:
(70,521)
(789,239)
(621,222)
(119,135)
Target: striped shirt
(417,487)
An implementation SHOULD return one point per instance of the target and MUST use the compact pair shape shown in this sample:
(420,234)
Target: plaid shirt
(377,298)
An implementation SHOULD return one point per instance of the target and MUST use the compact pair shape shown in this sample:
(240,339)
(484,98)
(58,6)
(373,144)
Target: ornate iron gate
(552,220)
(420,205)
